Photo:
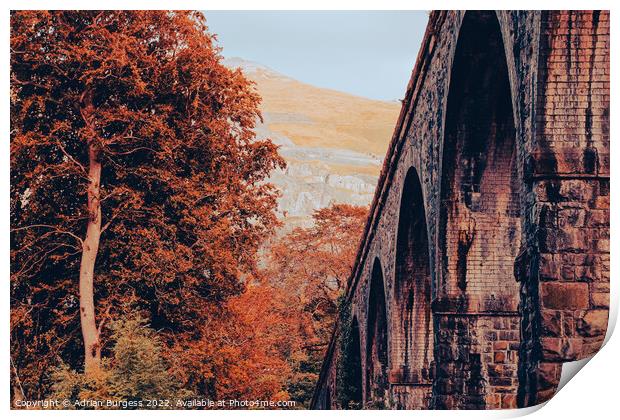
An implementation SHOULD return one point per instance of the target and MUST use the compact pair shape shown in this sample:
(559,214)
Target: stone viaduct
(484,264)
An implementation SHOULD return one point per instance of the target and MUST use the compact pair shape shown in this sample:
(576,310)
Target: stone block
(500,345)
(593,323)
(561,349)
(499,357)
(557,295)
(551,323)
(549,374)
(509,401)
(600,299)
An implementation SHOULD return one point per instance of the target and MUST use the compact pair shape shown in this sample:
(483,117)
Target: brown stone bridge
(485,260)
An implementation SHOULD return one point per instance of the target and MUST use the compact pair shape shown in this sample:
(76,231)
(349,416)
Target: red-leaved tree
(136,182)
(310,267)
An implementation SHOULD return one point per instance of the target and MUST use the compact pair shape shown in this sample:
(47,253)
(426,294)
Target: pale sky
(366,53)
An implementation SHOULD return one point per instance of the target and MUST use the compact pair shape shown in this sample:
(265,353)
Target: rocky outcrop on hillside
(326,155)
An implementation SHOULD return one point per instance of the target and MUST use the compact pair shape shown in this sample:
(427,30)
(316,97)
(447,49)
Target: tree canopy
(310,266)
(179,200)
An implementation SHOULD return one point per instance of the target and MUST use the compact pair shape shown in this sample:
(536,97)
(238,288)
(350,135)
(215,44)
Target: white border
(592,395)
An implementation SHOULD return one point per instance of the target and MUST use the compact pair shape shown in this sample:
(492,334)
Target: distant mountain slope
(333,142)
(318,117)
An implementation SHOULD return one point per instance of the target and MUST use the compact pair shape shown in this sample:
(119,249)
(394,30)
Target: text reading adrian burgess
(146,404)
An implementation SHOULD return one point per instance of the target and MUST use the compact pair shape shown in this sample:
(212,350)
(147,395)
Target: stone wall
(565,264)
(491,218)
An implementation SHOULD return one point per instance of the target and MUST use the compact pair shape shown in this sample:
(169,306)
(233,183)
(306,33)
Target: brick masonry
(490,222)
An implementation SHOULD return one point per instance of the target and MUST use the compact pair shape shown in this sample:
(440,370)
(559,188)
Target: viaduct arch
(485,260)
(377,341)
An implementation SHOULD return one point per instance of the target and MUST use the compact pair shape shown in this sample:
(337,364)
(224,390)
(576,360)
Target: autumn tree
(311,266)
(136,182)
(244,353)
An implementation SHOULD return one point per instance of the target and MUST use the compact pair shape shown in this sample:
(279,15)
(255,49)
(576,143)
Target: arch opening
(412,343)
(480,225)
(351,396)
(479,229)
(377,341)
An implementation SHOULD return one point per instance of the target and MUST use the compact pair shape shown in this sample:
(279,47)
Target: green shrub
(136,376)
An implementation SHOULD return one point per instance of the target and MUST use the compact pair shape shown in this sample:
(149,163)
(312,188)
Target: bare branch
(55,229)
(71,158)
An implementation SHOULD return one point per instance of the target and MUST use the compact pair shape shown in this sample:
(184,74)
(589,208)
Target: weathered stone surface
(593,323)
(561,349)
(549,374)
(505,125)
(600,300)
(565,295)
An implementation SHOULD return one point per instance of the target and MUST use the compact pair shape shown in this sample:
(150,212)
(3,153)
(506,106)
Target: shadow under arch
(376,341)
(479,231)
(350,390)
(411,320)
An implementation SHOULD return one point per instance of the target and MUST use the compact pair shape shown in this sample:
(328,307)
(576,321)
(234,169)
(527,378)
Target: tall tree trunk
(90,333)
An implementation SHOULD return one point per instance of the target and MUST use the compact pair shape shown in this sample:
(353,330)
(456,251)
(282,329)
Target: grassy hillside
(333,142)
(326,118)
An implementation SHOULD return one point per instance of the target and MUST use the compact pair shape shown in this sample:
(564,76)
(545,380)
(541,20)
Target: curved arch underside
(412,343)
(479,226)
(352,397)
(480,209)
(377,341)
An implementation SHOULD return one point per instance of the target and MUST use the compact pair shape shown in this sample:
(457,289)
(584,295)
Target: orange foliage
(182,192)
(242,353)
(184,204)
(310,267)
